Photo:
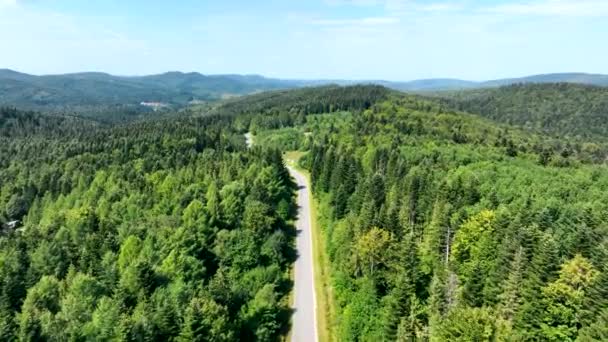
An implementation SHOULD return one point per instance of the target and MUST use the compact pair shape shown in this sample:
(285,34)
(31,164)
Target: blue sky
(307,39)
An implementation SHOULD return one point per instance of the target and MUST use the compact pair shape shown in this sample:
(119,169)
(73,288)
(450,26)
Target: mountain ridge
(82,89)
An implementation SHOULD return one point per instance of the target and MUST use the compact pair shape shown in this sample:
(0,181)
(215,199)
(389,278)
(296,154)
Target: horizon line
(295,79)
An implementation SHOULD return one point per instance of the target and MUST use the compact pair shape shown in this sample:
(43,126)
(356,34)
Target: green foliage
(556,108)
(445,226)
(439,225)
(205,320)
(467,324)
(563,300)
(372,250)
(597,331)
(288,108)
(142,231)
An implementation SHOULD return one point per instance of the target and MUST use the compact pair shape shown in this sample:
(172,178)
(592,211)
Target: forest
(152,231)
(443,219)
(445,226)
(562,109)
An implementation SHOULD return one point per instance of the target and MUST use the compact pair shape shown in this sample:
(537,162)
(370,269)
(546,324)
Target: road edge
(324,313)
(304,175)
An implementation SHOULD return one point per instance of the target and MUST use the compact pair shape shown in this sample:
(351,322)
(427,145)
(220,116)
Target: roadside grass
(325,305)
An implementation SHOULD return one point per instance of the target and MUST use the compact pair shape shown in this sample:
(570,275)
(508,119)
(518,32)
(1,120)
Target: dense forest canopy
(444,226)
(557,108)
(289,107)
(439,224)
(160,230)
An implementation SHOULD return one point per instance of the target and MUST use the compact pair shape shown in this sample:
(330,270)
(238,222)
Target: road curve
(304,319)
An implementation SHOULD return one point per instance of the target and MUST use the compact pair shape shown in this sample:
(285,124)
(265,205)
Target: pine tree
(510,299)
(324,182)
(402,309)
(596,300)
(597,330)
(542,268)
(8,326)
(213,203)
(415,185)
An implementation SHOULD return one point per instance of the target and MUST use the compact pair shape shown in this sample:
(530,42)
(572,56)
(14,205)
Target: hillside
(444,226)
(289,108)
(285,108)
(558,108)
(307,100)
(15,123)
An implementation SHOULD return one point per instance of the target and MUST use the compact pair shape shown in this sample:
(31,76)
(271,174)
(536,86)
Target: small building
(154,105)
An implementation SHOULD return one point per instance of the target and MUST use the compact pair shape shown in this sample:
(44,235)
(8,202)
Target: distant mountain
(101,89)
(448,84)
(442,84)
(580,78)
(433,84)
(100,92)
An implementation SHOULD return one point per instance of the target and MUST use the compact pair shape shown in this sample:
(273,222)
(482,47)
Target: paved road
(304,327)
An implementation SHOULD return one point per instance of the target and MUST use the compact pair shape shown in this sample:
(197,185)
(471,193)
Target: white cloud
(7,3)
(369,21)
(577,8)
(396,6)
(362,3)
(440,7)
(397,12)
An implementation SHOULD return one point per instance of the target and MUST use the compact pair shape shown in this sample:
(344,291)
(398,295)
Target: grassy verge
(325,304)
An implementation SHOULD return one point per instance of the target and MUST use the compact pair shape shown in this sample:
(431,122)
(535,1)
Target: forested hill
(324,99)
(291,107)
(288,107)
(558,108)
(444,226)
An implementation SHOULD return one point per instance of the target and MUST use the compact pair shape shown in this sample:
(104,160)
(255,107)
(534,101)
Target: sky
(394,40)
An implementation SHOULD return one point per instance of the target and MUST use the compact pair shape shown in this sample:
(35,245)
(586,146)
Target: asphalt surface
(304,327)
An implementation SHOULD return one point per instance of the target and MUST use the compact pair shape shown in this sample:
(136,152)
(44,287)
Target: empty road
(304,323)
(304,319)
